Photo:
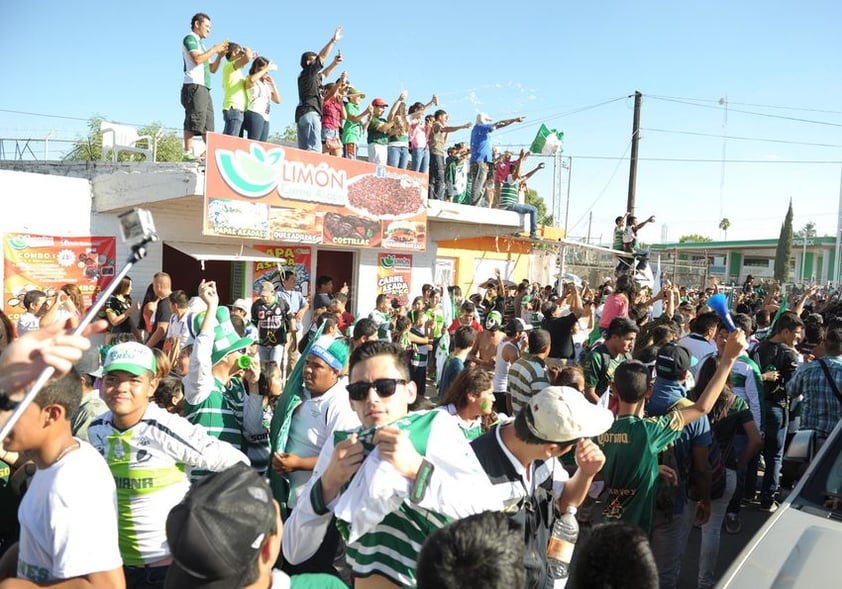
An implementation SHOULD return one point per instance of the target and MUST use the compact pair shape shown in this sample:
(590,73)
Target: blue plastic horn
(719,303)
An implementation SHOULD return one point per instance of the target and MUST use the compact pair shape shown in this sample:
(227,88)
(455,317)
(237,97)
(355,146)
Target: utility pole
(633,164)
(590,220)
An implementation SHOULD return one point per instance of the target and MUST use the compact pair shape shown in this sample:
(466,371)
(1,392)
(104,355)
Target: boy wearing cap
(92,406)
(633,442)
(378,132)
(308,113)
(68,530)
(671,530)
(147,450)
(213,397)
(521,459)
(220,540)
(393,483)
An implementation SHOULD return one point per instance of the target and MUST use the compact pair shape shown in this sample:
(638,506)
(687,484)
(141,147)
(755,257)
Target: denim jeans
(773,451)
(530,210)
(669,542)
(233,121)
(479,172)
(420,159)
(398,156)
(309,129)
(272,354)
(255,126)
(145,577)
(746,482)
(436,176)
(711,531)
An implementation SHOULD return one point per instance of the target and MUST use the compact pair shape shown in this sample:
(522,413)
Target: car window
(824,487)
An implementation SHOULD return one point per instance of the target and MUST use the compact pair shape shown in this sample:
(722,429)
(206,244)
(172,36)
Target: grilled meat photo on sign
(342,228)
(385,198)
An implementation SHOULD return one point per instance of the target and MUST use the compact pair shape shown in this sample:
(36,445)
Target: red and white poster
(45,262)
(394,276)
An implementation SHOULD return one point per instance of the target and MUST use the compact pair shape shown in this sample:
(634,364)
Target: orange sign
(271,192)
(42,262)
(394,276)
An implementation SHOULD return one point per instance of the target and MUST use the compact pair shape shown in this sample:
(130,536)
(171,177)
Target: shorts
(328,134)
(198,108)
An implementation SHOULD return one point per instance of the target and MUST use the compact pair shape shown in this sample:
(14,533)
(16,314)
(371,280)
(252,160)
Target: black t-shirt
(309,89)
(120,306)
(163,313)
(561,336)
(771,355)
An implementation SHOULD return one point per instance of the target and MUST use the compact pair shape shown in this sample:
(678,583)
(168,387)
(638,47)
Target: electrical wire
(748,112)
(739,138)
(560,115)
(620,160)
(753,104)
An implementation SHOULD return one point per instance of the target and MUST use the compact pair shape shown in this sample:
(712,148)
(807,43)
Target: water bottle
(562,541)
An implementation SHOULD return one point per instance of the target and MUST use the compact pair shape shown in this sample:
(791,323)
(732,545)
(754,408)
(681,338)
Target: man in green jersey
(632,444)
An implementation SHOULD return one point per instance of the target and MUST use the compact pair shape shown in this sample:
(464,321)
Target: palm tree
(724,224)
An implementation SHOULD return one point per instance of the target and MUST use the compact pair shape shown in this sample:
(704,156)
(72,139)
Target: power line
(748,112)
(754,104)
(739,138)
(561,115)
(620,160)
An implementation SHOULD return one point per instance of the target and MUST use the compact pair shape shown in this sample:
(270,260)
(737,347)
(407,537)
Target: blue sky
(541,59)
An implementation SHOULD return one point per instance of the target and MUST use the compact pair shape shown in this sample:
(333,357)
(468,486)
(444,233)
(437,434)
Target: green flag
(547,141)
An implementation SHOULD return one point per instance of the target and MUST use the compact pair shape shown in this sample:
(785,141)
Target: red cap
(379,102)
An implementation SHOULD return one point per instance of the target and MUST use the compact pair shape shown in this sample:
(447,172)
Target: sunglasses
(385,387)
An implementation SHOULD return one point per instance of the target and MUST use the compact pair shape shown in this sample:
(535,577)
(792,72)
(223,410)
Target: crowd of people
(379,449)
(331,118)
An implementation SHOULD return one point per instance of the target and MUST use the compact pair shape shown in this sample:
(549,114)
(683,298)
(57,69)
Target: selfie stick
(146,231)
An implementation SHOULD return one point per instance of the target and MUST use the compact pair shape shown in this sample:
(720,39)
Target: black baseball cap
(216,532)
(673,360)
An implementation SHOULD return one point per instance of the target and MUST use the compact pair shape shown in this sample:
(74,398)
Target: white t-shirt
(28,322)
(68,519)
(312,423)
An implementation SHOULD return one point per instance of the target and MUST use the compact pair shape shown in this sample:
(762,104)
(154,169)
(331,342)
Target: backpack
(716,457)
(666,494)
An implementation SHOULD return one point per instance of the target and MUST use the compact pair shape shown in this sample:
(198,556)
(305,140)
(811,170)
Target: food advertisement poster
(272,192)
(297,258)
(394,272)
(43,262)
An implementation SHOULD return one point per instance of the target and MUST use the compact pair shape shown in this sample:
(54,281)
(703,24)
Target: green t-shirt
(599,367)
(192,42)
(617,243)
(631,449)
(351,132)
(375,136)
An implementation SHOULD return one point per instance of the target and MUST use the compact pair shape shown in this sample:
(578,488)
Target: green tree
(784,249)
(89,148)
(537,201)
(694,238)
(288,137)
(724,225)
(808,231)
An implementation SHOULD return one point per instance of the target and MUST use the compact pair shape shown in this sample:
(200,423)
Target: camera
(137,225)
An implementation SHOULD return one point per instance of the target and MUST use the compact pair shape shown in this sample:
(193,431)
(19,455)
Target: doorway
(339,265)
(187,273)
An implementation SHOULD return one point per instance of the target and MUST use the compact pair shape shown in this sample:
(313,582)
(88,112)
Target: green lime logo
(18,243)
(387,261)
(252,173)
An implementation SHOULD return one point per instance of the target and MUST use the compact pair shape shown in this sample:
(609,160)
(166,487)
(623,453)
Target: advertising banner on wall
(297,258)
(394,273)
(271,192)
(43,262)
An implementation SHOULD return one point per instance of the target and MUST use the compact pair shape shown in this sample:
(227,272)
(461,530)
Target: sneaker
(188,156)
(733,524)
(768,507)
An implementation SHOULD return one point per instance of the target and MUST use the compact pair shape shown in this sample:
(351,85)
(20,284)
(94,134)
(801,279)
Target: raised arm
(337,34)
(507,122)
